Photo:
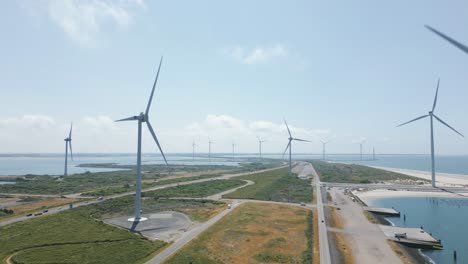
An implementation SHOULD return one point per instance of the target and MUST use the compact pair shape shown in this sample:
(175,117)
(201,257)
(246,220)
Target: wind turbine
(360,146)
(373,153)
(209,148)
(193,149)
(289,145)
(143,118)
(449,39)
(233,144)
(68,141)
(324,143)
(260,145)
(431,115)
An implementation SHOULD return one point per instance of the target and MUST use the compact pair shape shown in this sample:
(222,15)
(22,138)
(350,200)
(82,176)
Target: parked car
(37,214)
(303,204)
(45,211)
(28,215)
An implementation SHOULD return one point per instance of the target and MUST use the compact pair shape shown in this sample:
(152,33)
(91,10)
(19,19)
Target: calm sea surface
(52,164)
(445,218)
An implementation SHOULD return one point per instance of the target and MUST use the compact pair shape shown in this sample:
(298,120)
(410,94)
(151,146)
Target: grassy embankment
(78,235)
(253,233)
(351,173)
(120,181)
(33,206)
(72,237)
(274,185)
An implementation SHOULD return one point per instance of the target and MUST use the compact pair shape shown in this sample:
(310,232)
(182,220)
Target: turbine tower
(193,149)
(209,148)
(373,153)
(143,118)
(360,147)
(289,145)
(431,115)
(233,145)
(260,146)
(68,141)
(324,143)
(457,44)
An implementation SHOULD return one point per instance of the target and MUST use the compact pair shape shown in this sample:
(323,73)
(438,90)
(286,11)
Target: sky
(344,71)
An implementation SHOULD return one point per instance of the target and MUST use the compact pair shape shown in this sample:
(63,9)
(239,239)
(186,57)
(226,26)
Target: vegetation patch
(72,237)
(275,185)
(250,234)
(351,173)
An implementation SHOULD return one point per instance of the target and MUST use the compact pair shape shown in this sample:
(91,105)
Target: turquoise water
(445,218)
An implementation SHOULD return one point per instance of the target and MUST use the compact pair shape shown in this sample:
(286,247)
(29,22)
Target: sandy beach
(444,179)
(368,197)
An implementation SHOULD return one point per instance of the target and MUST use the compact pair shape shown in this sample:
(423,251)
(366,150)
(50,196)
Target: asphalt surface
(66,207)
(325,257)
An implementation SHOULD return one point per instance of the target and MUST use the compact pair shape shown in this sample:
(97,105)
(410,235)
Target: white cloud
(83,20)
(27,122)
(224,129)
(256,55)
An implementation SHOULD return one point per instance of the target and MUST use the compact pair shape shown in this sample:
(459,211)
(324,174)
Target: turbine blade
(287,128)
(449,39)
(440,120)
(287,146)
(71,128)
(132,118)
(156,139)
(435,98)
(298,139)
(154,86)
(413,120)
(71,151)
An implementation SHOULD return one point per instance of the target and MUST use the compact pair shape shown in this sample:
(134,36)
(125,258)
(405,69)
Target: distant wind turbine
(449,39)
(143,118)
(373,153)
(324,143)
(289,145)
(233,145)
(193,149)
(260,146)
(68,141)
(209,148)
(432,115)
(360,146)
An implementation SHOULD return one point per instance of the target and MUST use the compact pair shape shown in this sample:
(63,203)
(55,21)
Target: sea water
(53,164)
(445,218)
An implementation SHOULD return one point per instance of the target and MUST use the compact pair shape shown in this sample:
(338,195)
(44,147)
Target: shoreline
(446,179)
(368,197)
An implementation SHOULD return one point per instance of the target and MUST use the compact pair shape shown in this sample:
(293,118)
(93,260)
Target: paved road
(367,241)
(59,209)
(325,257)
(189,235)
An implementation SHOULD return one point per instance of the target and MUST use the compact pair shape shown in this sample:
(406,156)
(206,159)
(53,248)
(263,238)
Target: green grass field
(351,173)
(274,185)
(72,237)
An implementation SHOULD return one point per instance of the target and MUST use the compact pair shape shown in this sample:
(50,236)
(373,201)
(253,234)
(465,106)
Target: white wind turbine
(143,118)
(233,145)
(324,143)
(193,148)
(431,115)
(260,146)
(289,145)
(449,39)
(68,141)
(209,148)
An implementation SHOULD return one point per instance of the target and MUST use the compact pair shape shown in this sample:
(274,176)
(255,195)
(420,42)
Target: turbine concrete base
(141,219)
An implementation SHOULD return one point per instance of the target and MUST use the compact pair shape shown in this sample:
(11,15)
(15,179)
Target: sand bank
(445,179)
(369,197)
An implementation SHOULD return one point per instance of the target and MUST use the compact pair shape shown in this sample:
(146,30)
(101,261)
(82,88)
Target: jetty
(411,236)
(382,211)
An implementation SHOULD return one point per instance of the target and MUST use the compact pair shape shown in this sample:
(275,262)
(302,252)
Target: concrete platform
(383,211)
(414,236)
(167,226)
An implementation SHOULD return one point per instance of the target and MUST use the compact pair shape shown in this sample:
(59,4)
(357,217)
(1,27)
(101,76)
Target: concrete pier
(383,211)
(414,236)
